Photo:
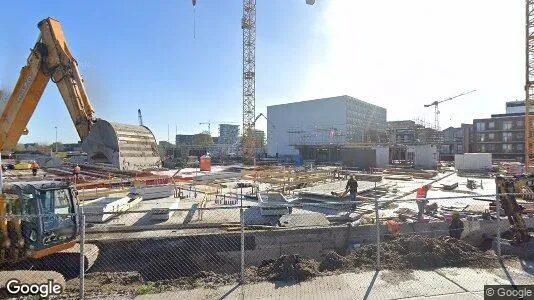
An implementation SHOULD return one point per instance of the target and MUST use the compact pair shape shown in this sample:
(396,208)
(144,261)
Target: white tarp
(472,161)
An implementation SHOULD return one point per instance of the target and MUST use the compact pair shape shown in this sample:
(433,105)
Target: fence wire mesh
(222,240)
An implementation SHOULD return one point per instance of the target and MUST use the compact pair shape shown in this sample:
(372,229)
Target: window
(482,148)
(481,126)
(519,136)
(460,149)
(491,125)
(507,148)
(481,137)
(55,201)
(507,125)
(490,147)
(519,147)
(491,136)
(519,123)
(506,136)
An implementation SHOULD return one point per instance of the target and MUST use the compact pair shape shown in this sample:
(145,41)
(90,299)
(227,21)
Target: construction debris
(288,268)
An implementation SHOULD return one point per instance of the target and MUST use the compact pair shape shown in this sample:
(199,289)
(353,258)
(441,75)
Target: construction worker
(422,201)
(393,226)
(76,172)
(35,167)
(352,187)
(457,226)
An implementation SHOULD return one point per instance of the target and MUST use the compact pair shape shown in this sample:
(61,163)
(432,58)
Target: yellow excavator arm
(50,59)
(123,146)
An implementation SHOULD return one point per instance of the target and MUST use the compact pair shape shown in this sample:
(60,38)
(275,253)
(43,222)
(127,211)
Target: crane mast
(529,85)
(248,24)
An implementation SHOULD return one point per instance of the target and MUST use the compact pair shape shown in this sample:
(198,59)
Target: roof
(333,98)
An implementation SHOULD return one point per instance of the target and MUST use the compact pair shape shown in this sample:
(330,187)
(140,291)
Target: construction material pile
(288,268)
(422,252)
(400,253)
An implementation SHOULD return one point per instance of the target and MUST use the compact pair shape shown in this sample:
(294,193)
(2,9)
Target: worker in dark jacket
(352,187)
(457,226)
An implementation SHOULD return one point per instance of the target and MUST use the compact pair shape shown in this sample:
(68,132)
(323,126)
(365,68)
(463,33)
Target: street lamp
(56,139)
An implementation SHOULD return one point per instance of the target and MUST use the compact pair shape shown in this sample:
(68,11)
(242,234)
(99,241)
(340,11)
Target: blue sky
(396,54)
(142,54)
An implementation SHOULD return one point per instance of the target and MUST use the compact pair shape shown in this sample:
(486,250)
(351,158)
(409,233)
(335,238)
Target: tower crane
(248,25)
(529,85)
(209,126)
(436,108)
(436,118)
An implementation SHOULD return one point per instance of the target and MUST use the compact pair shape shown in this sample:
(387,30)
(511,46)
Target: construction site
(121,214)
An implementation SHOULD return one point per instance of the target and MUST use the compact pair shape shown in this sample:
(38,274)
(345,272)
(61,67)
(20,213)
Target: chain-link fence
(343,249)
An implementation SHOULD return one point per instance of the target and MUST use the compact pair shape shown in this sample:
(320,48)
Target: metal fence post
(377,232)
(498,209)
(242,221)
(82,256)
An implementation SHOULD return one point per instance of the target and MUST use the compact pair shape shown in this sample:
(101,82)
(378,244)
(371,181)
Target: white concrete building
(327,121)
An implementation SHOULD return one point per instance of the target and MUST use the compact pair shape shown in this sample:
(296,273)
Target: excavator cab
(39,219)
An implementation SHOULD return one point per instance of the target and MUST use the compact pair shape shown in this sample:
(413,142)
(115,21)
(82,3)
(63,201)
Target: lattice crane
(248,25)
(529,85)
(436,108)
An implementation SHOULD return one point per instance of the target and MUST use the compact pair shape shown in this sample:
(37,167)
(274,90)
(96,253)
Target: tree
(203,139)
(60,147)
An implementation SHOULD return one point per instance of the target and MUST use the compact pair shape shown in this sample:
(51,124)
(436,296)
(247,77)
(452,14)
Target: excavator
(38,218)
(125,147)
(507,189)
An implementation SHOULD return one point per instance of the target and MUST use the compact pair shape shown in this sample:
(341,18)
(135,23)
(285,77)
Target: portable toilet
(205,163)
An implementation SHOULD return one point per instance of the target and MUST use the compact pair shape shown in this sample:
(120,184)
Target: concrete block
(101,209)
(166,212)
(154,192)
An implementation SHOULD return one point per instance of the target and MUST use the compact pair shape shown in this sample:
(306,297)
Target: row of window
(506,148)
(506,125)
(452,149)
(506,136)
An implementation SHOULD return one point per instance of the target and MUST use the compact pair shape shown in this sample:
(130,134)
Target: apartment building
(502,135)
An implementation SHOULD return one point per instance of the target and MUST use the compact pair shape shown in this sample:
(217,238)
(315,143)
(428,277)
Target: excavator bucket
(126,147)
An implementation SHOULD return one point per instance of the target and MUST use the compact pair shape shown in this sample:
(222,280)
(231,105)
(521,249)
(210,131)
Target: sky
(183,66)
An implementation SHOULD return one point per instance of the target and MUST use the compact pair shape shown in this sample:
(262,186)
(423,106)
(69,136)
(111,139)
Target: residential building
(408,132)
(315,123)
(259,138)
(455,141)
(503,135)
(228,134)
(184,139)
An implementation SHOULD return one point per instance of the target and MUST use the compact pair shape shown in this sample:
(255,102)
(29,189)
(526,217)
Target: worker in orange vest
(421,200)
(393,226)
(35,167)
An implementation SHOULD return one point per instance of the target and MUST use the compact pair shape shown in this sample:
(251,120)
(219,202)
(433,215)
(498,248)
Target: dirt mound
(331,261)
(288,268)
(204,278)
(115,278)
(422,252)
